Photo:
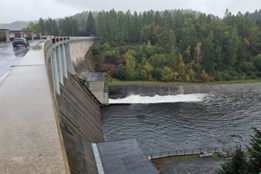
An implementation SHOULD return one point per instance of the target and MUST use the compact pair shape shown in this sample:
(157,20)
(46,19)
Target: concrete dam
(76,107)
(56,124)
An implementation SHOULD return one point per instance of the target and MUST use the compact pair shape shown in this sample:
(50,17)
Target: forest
(170,45)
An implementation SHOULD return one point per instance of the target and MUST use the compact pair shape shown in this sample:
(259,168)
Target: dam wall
(121,91)
(78,50)
(77,109)
(80,123)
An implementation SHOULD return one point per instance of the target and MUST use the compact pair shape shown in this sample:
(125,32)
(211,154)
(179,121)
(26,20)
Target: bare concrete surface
(29,140)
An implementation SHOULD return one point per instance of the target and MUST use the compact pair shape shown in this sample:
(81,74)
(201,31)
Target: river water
(184,121)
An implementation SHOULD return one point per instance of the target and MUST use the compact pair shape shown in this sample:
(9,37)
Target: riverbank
(119,82)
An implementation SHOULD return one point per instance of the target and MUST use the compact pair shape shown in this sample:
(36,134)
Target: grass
(119,82)
(238,81)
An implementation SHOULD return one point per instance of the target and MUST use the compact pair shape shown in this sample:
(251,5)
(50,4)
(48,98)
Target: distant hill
(17,25)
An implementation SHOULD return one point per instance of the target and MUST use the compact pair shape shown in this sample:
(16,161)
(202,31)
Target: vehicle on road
(20,42)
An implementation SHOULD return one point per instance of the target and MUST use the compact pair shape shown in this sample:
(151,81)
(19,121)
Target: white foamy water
(137,99)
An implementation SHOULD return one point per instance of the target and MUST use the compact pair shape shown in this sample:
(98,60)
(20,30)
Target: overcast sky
(31,10)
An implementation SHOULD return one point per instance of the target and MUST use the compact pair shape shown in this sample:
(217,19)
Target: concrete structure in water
(96,83)
(56,121)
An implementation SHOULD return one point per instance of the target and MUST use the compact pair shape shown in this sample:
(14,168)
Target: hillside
(17,25)
(170,45)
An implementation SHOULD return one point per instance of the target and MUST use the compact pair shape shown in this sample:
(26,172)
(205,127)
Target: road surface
(9,57)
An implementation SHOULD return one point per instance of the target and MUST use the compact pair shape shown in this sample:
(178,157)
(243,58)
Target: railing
(58,58)
(191,152)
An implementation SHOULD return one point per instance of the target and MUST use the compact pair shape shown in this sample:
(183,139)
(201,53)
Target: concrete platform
(122,157)
(29,138)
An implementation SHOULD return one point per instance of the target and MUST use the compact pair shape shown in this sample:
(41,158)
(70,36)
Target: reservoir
(189,121)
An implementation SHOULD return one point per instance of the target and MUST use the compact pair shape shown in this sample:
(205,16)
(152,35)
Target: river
(184,121)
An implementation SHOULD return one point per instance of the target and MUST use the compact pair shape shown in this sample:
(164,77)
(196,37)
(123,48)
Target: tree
(101,26)
(90,26)
(239,165)
(255,152)
(151,33)
(208,52)
(257,62)
(167,74)
(147,70)
(230,47)
(122,72)
(31,27)
(167,39)
(41,26)
(181,67)
(236,165)
(130,63)
(187,56)
(198,53)
(158,60)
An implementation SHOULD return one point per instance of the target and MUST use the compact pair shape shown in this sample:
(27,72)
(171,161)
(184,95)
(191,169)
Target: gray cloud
(216,7)
(34,9)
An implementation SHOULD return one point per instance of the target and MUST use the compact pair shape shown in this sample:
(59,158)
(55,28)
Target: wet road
(9,56)
(28,133)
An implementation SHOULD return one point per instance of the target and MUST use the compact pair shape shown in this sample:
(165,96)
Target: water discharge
(184,121)
(137,99)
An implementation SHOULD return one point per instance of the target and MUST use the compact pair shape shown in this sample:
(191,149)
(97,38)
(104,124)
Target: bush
(96,49)
(122,72)
(111,56)
(204,76)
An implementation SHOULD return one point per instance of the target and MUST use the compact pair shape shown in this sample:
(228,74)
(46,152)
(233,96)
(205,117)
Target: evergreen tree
(236,165)
(255,152)
(90,26)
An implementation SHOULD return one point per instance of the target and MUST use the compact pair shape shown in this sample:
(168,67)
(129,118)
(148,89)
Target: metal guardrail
(190,152)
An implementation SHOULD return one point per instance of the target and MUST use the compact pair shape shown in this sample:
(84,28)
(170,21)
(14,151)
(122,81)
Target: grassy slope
(118,82)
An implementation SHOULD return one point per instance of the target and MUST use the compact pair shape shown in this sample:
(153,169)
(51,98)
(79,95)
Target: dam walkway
(28,133)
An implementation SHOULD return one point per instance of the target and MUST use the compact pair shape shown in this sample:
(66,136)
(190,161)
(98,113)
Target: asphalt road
(10,56)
